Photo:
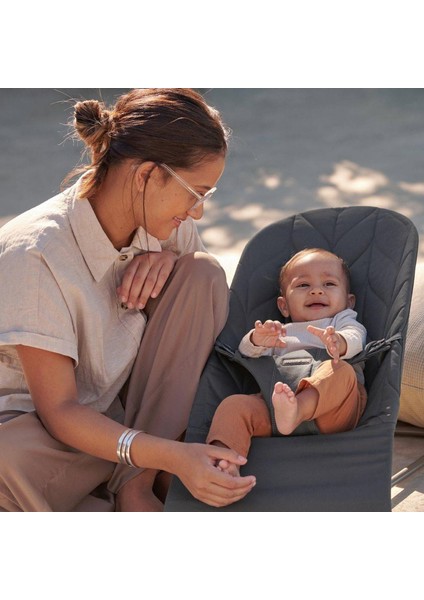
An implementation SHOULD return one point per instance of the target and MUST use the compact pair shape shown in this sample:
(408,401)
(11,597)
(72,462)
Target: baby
(315,295)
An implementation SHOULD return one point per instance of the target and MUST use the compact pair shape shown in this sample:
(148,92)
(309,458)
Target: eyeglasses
(199,199)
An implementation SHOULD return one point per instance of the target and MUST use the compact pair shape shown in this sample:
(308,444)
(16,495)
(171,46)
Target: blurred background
(291,150)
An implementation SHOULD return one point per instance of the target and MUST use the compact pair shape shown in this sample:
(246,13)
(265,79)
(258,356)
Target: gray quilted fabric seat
(340,472)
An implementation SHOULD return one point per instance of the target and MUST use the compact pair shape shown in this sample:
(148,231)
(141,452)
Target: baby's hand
(333,341)
(269,334)
(228,467)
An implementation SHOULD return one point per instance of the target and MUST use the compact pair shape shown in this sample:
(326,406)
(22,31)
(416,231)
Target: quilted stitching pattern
(338,472)
(380,247)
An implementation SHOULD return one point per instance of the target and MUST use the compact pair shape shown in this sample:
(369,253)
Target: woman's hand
(198,471)
(145,277)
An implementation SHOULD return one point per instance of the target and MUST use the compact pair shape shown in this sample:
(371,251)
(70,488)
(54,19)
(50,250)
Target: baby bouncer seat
(348,471)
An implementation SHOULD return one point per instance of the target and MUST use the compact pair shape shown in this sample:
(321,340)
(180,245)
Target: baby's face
(314,288)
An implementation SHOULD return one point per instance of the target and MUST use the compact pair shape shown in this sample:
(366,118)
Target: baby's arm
(269,334)
(334,341)
(263,339)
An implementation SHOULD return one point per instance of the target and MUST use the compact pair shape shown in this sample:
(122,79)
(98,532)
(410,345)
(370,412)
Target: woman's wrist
(123,449)
(151,452)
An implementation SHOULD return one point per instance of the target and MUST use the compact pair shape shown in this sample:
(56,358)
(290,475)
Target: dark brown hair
(302,253)
(170,125)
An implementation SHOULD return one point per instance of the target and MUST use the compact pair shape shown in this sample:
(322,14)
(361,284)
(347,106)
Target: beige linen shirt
(59,273)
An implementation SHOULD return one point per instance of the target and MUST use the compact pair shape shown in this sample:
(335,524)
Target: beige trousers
(341,402)
(39,473)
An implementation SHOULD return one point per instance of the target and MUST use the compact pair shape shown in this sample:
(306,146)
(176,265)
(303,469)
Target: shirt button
(123,257)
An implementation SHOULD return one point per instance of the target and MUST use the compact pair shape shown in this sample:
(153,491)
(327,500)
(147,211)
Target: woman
(81,275)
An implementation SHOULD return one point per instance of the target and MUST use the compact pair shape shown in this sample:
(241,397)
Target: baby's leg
(237,419)
(292,409)
(341,400)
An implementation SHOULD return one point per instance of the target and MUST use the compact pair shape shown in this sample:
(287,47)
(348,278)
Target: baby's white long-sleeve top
(298,338)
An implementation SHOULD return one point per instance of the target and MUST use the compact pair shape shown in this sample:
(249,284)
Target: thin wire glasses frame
(199,199)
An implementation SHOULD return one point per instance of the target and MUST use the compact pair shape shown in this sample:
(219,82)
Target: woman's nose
(196,213)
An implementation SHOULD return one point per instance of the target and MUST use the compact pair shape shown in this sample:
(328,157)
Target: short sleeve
(33,311)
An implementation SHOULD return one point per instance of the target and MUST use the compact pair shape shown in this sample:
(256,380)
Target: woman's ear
(282,306)
(142,174)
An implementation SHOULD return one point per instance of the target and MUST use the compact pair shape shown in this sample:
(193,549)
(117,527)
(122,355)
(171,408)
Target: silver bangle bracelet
(119,446)
(123,449)
(129,441)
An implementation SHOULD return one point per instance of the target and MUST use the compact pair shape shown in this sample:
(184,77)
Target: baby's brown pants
(340,405)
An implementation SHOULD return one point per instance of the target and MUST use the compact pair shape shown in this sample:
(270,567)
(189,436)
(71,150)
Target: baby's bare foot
(286,408)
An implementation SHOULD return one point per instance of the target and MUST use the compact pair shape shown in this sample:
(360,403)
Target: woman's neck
(112,206)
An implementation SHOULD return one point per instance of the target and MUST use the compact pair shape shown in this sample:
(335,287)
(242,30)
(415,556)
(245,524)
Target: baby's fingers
(333,350)
(316,331)
(273,325)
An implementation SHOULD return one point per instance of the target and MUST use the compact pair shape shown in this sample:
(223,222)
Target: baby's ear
(282,306)
(351,300)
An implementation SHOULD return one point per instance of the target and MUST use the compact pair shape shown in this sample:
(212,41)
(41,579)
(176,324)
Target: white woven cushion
(412,391)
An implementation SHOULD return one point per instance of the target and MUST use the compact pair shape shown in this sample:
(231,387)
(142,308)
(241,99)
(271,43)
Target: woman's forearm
(52,385)
(86,430)
(51,382)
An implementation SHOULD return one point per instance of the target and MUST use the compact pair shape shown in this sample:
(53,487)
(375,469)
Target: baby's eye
(303,285)
(331,284)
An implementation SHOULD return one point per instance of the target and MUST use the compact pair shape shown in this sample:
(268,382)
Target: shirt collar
(96,248)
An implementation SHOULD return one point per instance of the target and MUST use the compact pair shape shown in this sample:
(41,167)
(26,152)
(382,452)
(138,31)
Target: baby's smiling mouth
(316,305)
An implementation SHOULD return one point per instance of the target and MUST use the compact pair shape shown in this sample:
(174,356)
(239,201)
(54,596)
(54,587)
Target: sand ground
(291,150)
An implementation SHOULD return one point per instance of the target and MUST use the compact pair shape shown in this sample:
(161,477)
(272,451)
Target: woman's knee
(201,265)
(202,283)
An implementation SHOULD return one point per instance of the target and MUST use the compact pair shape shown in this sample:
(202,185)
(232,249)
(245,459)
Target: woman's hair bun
(92,122)
(161,125)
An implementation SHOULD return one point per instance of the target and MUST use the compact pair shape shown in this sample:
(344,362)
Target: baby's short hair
(305,252)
